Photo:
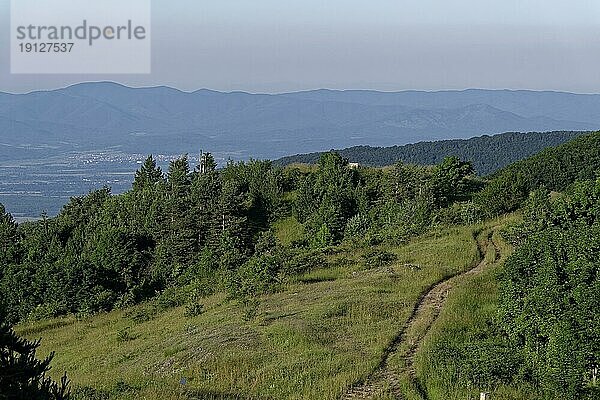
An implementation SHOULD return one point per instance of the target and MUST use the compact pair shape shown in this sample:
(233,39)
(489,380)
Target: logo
(80,37)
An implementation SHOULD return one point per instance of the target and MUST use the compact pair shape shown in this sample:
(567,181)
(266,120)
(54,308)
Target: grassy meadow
(313,338)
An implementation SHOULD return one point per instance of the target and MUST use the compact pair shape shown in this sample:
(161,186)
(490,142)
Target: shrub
(125,335)
(301,261)
(356,227)
(322,238)
(256,276)
(378,258)
(194,309)
(172,297)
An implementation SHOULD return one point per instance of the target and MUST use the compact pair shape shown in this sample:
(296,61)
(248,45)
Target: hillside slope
(558,167)
(554,168)
(487,153)
(313,339)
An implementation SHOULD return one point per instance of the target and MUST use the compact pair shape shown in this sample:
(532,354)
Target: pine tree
(206,192)
(147,199)
(148,175)
(9,240)
(178,240)
(22,376)
(207,164)
(233,210)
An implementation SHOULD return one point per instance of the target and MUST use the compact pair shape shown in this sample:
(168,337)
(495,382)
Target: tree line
(212,229)
(487,153)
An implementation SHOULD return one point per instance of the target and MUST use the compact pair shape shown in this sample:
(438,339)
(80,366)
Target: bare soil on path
(386,382)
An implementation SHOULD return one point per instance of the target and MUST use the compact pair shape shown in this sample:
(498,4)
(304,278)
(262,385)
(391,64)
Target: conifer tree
(9,240)
(148,175)
(179,240)
(22,376)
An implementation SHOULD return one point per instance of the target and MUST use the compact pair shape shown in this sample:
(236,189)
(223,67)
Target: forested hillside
(213,229)
(228,277)
(554,169)
(487,153)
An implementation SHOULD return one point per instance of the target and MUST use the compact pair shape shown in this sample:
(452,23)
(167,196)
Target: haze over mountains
(62,143)
(97,116)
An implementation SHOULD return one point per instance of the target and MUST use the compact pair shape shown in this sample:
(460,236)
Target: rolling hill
(488,153)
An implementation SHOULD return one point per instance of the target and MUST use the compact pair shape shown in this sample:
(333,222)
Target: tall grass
(465,319)
(320,334)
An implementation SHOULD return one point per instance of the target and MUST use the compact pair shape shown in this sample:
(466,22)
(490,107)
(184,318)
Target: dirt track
(385,382)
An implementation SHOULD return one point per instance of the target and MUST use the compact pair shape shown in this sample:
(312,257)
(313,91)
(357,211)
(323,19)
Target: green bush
(357,227)
(378,258)
(194,309)
(301,261)
(551,292)
(172,297)
(257,276)
(321,238)
(125,335)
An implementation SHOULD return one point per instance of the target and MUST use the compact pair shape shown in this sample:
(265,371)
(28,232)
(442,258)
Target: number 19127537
(46,47)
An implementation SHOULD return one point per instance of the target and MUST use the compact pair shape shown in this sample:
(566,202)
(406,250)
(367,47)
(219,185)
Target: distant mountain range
(96,116)
(487,153)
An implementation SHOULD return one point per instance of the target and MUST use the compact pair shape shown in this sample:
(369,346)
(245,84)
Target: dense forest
(185,234)
(555,169)
(487,153)
(210,229)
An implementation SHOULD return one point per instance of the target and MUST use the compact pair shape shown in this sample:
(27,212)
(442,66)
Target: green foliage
(295,262)
(9,240)
(357,227)
(506,193)
(322,238)
(171,297)
(554,169)
(327,199)
(378,258)
(536,325)
(256,276)
(487,153)
(185,235)
(463,213)
(450,181)
(103,251)
(148,176)
(22,376)
(194,309)
(207,164)
(550,291)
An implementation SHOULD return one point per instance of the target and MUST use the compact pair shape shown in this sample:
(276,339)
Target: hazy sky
(284,45)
